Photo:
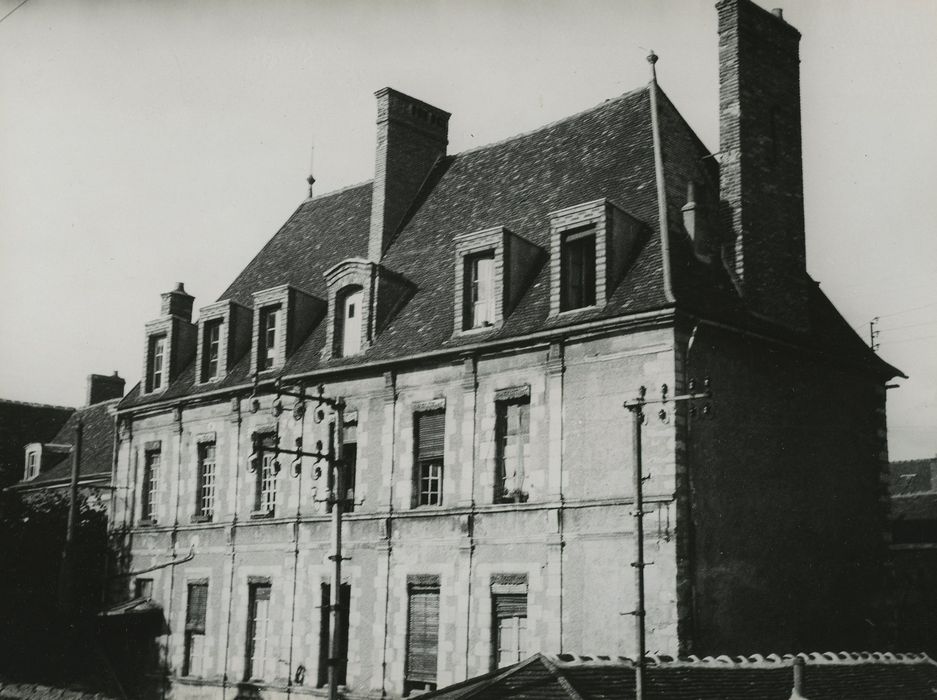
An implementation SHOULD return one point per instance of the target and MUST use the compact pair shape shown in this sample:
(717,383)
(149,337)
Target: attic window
(348,321)
(577,274)
(211,349)
(32,465)
(267,355)
(479,288)
(156,371)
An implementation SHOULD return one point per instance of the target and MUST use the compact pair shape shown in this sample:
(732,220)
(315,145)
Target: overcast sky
(148,143)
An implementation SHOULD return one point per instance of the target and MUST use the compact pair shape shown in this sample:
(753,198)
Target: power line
(911,325)
(909,340)
(904,311)
(13,10)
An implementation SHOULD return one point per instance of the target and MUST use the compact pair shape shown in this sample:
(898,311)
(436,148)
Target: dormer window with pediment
(591,246)
(224,334)
(170,341)
(493,268)
(283,318)
(33,457)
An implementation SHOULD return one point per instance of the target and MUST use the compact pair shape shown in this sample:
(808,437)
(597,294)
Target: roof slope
(826,677)
(97,446)
(20,424)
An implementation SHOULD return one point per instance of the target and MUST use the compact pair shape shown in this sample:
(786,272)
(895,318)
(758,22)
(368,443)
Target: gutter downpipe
(661,184)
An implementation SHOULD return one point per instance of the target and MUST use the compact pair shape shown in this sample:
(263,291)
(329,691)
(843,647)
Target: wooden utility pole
(636,407)
(67,572)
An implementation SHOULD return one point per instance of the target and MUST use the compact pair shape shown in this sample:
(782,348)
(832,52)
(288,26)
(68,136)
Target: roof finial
(311,180)
(652,59)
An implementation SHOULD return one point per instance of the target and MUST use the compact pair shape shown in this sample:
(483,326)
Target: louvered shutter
(510,605)
(196,608)
(431,434)
(423,636)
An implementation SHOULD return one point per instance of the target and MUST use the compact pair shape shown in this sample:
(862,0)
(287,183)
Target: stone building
(485,315)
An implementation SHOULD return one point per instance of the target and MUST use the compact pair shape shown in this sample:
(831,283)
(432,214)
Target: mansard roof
(604,152)
(861,676)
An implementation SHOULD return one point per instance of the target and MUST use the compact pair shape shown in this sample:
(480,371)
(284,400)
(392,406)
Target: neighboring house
(914,553)
(485,315)
(46,460)
(829,676)
(22,423)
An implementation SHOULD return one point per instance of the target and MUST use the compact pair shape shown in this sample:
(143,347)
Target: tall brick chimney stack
(411,138)
(103,387)
(761,183)
(178,302)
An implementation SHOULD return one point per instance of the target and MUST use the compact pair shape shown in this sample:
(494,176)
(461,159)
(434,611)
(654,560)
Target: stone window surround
(33,449)
(598,215)
(165,327)
(353,272)
(221,310)
(470,244)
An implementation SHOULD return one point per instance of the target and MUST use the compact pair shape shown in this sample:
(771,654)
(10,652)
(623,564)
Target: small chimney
(411,139)
(103,387)
(178,302)
(761,173)
(800,683)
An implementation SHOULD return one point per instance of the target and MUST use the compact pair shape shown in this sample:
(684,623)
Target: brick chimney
(411,138)
(178,302)
(103,387)
(761,178)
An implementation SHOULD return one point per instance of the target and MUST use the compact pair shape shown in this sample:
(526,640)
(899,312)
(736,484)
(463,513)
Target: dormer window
(591,247)
(267,355)
(156,373)
(32,465)
(211,338)
(348,320)
(479,306)
(577,272)
(285,315)
(493,268)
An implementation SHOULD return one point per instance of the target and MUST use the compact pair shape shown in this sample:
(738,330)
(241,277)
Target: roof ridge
(34,404)
(340,190)
(549,125)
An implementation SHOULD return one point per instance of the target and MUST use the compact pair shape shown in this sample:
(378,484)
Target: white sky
(147,143)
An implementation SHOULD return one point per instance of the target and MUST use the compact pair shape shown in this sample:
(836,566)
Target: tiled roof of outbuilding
(20,424)
(826,677)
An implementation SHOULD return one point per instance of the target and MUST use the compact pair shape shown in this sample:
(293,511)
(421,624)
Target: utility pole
(336,496)
(67,573)
(874,332)
(636,407)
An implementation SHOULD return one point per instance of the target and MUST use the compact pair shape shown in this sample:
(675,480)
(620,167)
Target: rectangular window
(428,458)
(265,490)
(578,270)
(150,485)
(259,662)
(143,588)
(32,464)
(196,608)
(211,350)
(325,623)
(512,433)
(509,628)
(267,337)
(205,487)
(479,304)
(156,372)
(422,637)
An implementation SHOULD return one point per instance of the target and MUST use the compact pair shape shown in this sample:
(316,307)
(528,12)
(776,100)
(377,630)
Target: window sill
(146,522)
(200,519)
(261,515)
(577,310)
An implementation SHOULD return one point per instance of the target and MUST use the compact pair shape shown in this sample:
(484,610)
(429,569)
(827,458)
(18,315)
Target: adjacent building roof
(912,476)
(825,677)
(97,448)
(20,424)
(603,152)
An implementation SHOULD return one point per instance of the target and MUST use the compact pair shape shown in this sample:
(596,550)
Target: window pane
(578,271)
(349,319)
(205,505)
(259,665)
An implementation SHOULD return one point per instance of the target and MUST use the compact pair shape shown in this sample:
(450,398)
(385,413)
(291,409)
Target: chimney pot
(778,12)
(178,302)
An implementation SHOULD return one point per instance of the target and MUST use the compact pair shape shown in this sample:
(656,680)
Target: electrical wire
(13,10)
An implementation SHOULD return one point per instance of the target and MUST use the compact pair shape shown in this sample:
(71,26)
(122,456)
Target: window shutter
(431,434)
(510,605)
(196,608)
(423,637)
